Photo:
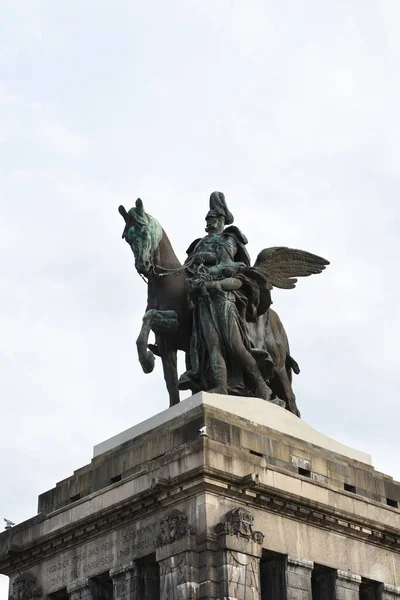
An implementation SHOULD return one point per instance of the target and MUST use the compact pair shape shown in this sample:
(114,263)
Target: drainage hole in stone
(304,472)
(256,453)
(116,478)
(392,503)
(350,488)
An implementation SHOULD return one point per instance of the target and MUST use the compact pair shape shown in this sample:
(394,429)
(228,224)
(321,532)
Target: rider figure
(225,294)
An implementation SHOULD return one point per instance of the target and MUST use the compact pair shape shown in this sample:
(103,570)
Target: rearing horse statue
(168,314)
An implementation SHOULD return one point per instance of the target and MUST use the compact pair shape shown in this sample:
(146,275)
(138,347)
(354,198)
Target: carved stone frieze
(26,587)
(239,522)
(173,527)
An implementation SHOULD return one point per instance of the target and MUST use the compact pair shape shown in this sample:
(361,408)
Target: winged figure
(281,266)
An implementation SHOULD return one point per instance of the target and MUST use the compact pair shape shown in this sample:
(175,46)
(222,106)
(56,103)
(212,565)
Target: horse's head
(143,233)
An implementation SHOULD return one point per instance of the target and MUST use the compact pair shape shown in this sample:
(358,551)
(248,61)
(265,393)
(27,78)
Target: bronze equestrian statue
(216,307)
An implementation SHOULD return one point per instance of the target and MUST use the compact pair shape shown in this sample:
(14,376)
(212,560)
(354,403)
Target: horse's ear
(123,213)
(139,207)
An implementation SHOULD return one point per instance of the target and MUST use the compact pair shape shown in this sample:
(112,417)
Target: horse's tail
(292,364)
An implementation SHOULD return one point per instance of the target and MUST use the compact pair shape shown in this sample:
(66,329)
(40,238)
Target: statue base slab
(265,414)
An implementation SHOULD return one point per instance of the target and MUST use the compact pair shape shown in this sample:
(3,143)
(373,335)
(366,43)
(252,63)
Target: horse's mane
(154,228)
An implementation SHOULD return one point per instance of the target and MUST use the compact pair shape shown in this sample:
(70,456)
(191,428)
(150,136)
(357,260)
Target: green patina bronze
(216,307)
(142,232)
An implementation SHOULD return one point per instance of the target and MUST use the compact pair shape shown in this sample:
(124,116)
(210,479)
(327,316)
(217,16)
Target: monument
(216,307)
(227,495)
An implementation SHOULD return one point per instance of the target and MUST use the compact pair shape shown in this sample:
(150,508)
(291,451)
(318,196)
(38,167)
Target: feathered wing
(281,266)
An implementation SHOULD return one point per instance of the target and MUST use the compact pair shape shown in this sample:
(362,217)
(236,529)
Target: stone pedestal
(216,498)
(347,586)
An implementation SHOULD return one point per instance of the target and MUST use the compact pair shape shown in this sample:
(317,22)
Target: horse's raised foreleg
(159,321)
(146,358)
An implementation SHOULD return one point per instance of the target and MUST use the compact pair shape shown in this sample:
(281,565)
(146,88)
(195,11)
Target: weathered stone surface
(273,447)
(298,579)
(241,548)
(251,409)
(174,526)
(177,557)
(390,592)
(82,590)
(26,587)
(126,582)
(347,586)
(216,504)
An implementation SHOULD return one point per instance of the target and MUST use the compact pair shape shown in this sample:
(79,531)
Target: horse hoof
(148,363)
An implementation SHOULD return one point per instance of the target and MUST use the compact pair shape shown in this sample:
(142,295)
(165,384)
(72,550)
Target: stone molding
(80,590)
(347,586)
(390,592)
(26,587)
(328,519)
(123,570)
(294,562)
(260,497)
(345,576)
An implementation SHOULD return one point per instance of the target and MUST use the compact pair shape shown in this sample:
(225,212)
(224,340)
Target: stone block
(240,545)
(208,590)
(126,581)
(347,586)
(390,592)
(298,579)
(240,577)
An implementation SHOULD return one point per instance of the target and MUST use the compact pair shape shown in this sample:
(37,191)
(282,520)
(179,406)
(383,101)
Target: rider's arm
(228,284)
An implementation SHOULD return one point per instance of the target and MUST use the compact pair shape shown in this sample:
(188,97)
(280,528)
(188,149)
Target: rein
(163,272)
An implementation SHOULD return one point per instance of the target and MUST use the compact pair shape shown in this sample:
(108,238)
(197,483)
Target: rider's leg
(249,365)
(219,383)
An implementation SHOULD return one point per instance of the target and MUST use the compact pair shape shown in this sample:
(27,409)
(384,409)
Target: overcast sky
(290,107)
